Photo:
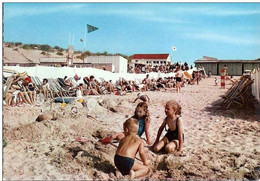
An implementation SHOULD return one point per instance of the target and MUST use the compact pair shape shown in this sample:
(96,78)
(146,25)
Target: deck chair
(53,87)
(8,85)
(237,93)
(65,92)
(37,84)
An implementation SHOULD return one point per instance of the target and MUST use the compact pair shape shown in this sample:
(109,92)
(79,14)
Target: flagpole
(85,36)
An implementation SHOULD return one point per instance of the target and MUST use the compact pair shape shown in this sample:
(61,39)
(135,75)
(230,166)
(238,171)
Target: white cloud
(222,38)
(212,10)
(231,12)
(11,12)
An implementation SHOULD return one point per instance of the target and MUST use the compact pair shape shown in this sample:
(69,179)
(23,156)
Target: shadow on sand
(235,111)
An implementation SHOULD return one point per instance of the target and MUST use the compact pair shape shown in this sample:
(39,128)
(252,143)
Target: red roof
(150,56)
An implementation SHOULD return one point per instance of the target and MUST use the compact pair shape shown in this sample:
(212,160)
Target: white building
(119,64)
(151,59)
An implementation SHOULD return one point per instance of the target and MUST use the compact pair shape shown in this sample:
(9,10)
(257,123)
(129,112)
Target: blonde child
(128,147)
(143,116)
(174,138)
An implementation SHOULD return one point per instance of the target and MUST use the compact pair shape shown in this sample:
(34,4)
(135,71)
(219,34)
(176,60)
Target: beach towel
(66,99)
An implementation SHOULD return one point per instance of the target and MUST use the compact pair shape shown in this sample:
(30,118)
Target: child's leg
(160,144)
(171,146)
(34,96)
(45,95)
(138,170)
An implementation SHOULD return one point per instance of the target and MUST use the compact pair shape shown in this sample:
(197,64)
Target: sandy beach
(219,144)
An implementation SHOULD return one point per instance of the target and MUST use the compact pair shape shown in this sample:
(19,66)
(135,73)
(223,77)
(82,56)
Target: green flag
(91,28)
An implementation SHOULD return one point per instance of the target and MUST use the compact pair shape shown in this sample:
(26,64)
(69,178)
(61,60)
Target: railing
(256,85)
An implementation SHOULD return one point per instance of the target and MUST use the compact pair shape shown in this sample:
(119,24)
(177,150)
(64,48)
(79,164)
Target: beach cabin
(151,59)
(233,67)
(210,64)
(51,61)
(115,64)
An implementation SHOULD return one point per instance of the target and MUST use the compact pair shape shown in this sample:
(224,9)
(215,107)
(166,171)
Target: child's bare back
(127,149)
(129,145)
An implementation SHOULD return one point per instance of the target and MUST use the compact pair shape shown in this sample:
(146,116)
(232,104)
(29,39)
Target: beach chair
(65,90)
(238,93)
(8,85)
(53,87)
(36,83)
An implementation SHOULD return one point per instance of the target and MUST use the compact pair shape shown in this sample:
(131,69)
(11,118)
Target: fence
(256,85)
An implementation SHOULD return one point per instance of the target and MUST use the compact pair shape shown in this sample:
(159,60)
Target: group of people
(162,68)
(24,89)
(130,141)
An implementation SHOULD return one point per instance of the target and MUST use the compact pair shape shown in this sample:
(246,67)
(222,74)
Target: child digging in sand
(174,138)
(128,147)
(143,116)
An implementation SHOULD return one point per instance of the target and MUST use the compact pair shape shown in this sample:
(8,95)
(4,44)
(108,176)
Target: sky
(220,30)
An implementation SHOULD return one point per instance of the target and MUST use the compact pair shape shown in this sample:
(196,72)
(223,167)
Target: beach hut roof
(150,56)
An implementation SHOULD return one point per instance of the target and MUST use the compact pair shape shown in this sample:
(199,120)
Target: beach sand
(219,143)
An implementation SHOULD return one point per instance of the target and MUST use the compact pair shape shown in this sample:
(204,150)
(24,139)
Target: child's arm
(136,99)
(142,153)
(180,134)
(148,99)
(146,130)
(159,132)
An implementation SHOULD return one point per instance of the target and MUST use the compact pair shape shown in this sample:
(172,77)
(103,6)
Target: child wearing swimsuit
(174,138)
(143,116)
(127,149)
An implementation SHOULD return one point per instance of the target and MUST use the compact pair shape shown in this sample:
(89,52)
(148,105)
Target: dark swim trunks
(123,164)
(178,79)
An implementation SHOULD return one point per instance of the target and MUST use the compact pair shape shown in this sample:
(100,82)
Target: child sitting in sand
(142,97)
(143,116)
(128,147)
(173,140)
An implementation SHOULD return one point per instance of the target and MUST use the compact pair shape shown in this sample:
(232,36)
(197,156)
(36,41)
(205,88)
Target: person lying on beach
(174,138)
(94,88)
(143,116)
(128,147)
(142,97)
(20,87)
(109,86)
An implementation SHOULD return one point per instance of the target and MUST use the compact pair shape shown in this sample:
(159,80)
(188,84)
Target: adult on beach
(179,78)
